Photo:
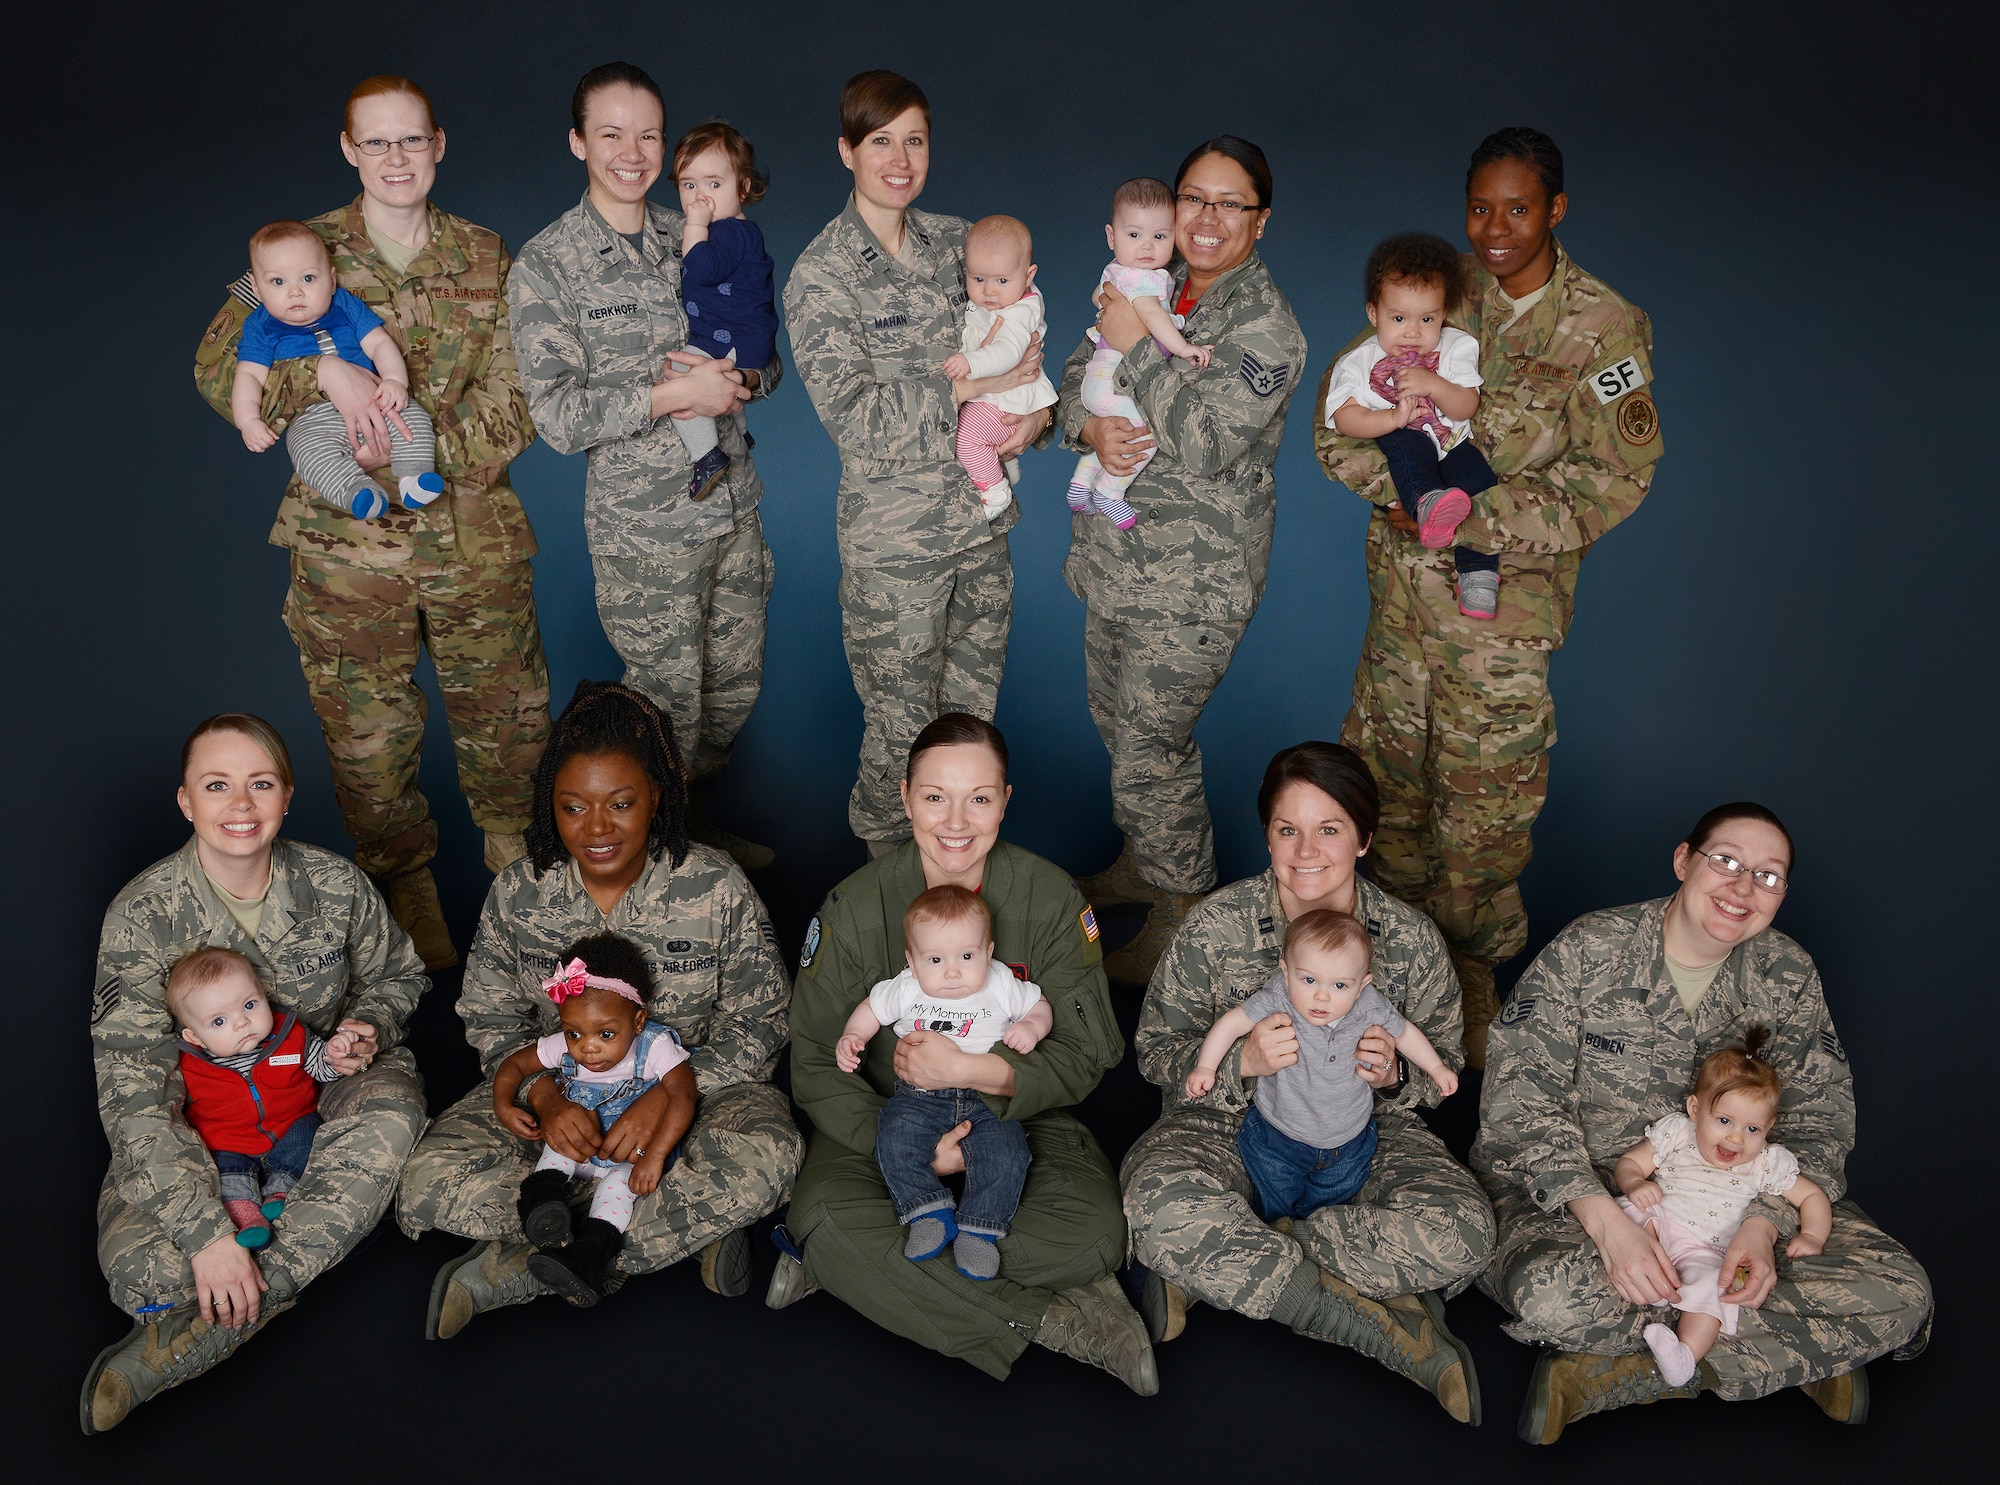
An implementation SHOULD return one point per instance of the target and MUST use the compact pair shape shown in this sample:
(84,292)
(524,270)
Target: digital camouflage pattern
(1067,1230)
(1593,1046)
(326,950)
(1453,714)
(927,586)
(1167,601)
(1420,1223)
(720,985)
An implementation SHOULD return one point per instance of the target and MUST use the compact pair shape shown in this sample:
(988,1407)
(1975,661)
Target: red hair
(273,233)
(382,85)
(1740,1069)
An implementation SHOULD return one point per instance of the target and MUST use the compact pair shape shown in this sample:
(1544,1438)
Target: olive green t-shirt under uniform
(1691,984)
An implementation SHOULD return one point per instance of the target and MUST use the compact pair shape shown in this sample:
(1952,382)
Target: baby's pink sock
(1677,1363)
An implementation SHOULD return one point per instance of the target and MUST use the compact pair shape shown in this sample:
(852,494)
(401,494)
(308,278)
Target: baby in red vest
(252,1088)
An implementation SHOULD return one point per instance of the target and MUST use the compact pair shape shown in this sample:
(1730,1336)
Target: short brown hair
(202,968)
(272,233)
(1740,1069)
(1327,931)
(742,155)
(872,99)
(946,904)
(1145,192)
(256,729)
(1011,229)
(381,86)
(1415,258)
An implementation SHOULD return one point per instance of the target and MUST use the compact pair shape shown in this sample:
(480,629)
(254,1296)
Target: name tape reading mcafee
(1615,381)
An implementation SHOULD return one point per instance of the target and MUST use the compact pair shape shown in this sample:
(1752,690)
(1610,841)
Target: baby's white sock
(1677,1363)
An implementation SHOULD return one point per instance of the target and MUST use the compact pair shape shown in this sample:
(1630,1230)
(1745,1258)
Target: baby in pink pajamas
(1002,314)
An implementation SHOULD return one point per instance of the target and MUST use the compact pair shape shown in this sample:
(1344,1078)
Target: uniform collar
(1369,903)
(1219,291)
(1538,327)
(290,898)
(442,254)
(1646,969)
(876,258)
(561,888)
(654,233)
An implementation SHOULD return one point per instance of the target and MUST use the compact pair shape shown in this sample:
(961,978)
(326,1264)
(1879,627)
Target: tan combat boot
(490,1276)
(165,1350)
(1569,1385)
(502,851)
(1135,962)
(1094,1323)
(1843,1398)
(790,1283)
(1163,1305)
(1481,1004)
(413,902)
(745,853)
(1407,1334)
(1119,884)
(725,1264)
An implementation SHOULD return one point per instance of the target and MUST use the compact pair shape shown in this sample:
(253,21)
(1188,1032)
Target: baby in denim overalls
(605,1057)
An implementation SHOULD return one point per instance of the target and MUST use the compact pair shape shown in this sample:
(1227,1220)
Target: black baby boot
(577,1272)
(544,1208)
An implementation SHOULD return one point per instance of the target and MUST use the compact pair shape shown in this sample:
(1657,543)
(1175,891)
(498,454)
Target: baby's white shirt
(1706,1200)
(1018,322)
(976,1021)
(1458,363)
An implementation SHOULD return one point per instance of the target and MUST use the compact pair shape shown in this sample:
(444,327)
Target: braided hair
(605,717)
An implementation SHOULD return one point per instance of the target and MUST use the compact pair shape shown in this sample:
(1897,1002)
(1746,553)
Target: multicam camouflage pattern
(1453,714)
(719,984)
(593,324)
(360,631)
(1593,1046)
(1169,599)
(327,950)
(447,313)
(1420,1223)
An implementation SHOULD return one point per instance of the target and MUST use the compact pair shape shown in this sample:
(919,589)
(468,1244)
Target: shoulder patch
(1615,380)
(1089,921)
(1517,1010)
(1830,1044)
(769,933)
(1638,421)
(812,943)
(1020,972)
(1264,380)
(107,995)
(244,289)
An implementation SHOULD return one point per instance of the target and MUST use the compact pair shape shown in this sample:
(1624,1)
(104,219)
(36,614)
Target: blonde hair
(995,230)
(946,905)
(256,729)
(199,970)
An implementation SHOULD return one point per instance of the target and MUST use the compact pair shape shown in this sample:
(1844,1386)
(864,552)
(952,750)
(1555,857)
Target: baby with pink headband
(606,1056)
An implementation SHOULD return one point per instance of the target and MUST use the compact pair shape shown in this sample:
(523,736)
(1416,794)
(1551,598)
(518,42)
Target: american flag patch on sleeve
(1089,921)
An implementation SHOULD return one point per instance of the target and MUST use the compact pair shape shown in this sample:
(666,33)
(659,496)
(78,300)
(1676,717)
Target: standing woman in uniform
(1056,1288)
(369,597)
(874,306)
(608,853)
(1166,603)
(682,584)
(327,951)
(1452,712)
(1371,1274)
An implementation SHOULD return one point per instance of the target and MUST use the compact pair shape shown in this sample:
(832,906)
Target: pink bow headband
(573,979)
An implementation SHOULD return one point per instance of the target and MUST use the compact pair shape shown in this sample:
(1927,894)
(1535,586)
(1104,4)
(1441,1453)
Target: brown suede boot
(1119,884)
(1843,1398)
(1481,1003)
(1569,1385)
(1134,963)
(502,851)
(413,902)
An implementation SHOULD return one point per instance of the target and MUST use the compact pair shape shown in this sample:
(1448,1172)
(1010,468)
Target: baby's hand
(1200,1081)
(1416,381)
(957,368)
(257,435)
(1406,409)
(1645,1196)
(341,1044)
(1021,1037)
(847,1051)
(1803,1246)
(519,1122)
(700,212)
(1447,1081)
(1201,355)
(391,396)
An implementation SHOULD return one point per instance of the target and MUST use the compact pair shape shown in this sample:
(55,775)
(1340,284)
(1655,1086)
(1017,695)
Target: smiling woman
(608,851)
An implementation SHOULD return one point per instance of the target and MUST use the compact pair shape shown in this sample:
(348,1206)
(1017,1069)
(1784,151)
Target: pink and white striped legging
(982,429)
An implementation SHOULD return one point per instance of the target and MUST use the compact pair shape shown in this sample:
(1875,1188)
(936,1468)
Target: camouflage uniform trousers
(1147,685)
(1420,1223)
(736,1165)
(1864,1296)
(372,1121)
(360,631)
(1067,1231)
(690,629)
(1458,741)
(922,639)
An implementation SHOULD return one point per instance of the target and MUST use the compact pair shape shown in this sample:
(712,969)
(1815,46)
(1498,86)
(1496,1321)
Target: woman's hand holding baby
(1271,1044)
(566,1129)
(948,1159)
(1750,1258)
(352,1046)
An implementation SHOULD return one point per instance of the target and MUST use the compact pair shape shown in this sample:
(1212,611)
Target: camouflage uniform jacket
(326,949)
(447,312)
(1593,1046)
(718,979)
(1207,501)
(594,325)
(1229,946)
(870,338)
(1571,463)
(1042,929)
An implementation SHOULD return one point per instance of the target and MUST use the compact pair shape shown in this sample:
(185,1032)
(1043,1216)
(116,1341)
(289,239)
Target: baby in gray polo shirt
(1309,1137)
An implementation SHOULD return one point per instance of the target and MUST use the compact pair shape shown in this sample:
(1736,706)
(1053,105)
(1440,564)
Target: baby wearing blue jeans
(1309,1137)
(953,988)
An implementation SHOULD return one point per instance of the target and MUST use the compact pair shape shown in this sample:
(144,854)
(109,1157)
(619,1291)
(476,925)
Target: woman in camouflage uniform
(1371,1274)
(608,852)
(369,597)
(874,306)
(327,950)
(1602,1036)
(1167,602)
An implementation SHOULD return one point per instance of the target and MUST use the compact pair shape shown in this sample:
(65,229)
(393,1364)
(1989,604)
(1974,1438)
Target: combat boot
(165,1350)
(1843,1398)
(544,1208)
(745,853)
(1163,1305)
(1095,1324)
(578,1271)
(1135,962)
(1119,884)
(725,1264)
(790,1282)
(502,851)
(1569,1385)
(413,902)
(489,1276)
(1481,1003)
(1407,1334)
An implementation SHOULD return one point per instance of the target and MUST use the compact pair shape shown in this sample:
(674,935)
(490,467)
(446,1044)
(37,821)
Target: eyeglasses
(1188,201)
(410,144)
(1729,866)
